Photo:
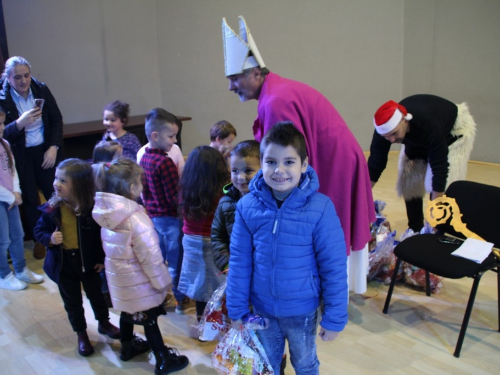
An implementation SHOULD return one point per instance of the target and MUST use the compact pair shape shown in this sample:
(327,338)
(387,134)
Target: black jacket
(51,116)
(222,226)
(89,240)
(428,139)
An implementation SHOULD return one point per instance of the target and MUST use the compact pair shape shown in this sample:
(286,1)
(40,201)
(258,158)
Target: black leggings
(151,330)
(200,307)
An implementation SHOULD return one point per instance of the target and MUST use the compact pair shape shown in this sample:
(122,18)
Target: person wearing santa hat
(437,138)
(332,149)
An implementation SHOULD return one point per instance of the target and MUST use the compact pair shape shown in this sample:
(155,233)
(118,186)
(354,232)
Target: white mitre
(237,49)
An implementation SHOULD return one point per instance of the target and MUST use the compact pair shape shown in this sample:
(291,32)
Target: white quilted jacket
(137,275)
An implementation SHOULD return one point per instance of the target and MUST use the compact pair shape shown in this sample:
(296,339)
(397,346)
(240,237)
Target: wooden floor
(418,337)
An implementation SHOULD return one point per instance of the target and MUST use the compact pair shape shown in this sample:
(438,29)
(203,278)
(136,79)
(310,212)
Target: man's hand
(436,194)
(327,335)
(49,158)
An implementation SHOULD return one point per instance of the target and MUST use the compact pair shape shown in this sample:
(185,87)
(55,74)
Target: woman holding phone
(34,129)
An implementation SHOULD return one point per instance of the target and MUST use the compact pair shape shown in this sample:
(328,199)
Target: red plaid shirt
(160,181)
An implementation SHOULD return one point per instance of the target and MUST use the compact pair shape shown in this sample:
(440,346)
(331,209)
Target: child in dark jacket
(288,251)
(244,161)
(74,250)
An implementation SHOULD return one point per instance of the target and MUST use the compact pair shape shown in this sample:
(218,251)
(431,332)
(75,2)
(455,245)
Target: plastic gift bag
(241,353)
(380,256)
(376,228)
(214,322)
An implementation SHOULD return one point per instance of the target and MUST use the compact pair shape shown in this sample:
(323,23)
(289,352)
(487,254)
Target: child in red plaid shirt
(160,181)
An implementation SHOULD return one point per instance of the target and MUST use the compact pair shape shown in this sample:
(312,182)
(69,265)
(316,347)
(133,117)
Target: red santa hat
(388,117)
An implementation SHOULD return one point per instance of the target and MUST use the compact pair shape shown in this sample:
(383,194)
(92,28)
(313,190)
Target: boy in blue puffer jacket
(287,254)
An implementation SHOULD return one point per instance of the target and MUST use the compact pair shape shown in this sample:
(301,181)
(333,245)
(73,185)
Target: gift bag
(214,322)
(240,353)
(380,256)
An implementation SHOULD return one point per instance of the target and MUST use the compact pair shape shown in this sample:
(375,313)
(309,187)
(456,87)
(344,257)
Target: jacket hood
(110,209)
(309,183)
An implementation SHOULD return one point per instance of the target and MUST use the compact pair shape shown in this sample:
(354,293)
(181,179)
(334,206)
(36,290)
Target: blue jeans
(169,231)
(300,331)
(11,238)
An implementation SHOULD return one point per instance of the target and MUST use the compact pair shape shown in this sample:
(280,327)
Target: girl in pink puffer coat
(137,275)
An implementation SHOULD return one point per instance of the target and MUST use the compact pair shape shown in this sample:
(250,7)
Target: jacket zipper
(58,226)
(80,241)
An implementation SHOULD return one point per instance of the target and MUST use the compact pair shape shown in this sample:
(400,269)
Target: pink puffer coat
(137,275)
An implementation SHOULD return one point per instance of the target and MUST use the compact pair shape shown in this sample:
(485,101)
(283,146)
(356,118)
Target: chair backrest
(480,208)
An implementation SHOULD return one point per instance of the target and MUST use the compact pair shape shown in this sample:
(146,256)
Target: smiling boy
(288,250)
(244,161)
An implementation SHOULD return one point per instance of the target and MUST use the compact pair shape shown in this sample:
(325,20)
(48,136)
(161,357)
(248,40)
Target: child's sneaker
(29,276)
(184,306)
(169,360)
(10,282)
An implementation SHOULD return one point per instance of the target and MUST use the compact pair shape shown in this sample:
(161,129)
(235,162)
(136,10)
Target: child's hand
(327,335)
(17,200)
(98,267)
(56,238)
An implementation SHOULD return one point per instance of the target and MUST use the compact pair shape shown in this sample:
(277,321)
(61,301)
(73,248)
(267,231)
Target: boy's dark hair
(222,129)
(120,109)
(105,151)
(79,172)
(285,134)
(156,119)
(202,182)
(245,149)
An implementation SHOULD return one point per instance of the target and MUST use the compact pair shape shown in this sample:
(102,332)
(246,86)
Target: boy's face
(242,171)
(165,138)
(224,141)
(282,168)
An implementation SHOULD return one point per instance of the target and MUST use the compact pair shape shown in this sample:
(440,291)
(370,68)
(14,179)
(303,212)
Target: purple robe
(332,149)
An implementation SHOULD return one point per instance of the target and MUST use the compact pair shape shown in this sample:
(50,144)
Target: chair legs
(427,284)
(391,287)
(498,297)
(468,312)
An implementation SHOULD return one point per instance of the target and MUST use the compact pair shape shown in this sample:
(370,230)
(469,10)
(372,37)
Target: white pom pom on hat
(388,117)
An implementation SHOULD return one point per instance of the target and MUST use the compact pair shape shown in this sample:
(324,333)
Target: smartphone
(450,240)
(39,103)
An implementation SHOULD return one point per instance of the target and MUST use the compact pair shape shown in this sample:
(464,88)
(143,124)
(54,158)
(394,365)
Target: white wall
(452,49)
(89,52)
(359,53)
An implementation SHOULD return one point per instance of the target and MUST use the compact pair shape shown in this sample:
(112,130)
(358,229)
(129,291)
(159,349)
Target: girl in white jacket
(11,230)
(137,275)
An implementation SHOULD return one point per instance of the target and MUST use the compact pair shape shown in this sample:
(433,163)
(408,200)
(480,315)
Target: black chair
(479,207)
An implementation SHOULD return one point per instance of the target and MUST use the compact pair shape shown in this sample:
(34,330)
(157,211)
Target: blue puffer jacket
(283,261)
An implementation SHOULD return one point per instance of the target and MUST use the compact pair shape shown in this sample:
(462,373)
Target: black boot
(132,348)
(169,360)
(84,346)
